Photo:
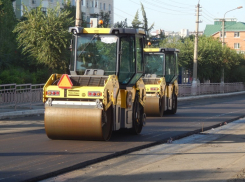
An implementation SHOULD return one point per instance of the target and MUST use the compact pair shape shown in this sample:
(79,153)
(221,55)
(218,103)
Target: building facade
(90,8)
(234,35)
(157,33)
(184,33)
(18,5)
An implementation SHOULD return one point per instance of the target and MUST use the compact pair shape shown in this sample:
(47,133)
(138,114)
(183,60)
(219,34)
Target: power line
(180,3)
(209,13)
(207,19)
(121,16)
(124,12)
(155,5)
(174,5)
(162,11)
(156,26)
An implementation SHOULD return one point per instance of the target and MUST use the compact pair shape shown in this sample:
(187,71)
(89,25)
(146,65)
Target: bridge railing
(20,94)
(210,88)
(31,94)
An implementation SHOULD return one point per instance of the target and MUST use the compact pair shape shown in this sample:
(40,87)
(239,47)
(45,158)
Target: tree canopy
(105,16)
(136,23)
(211,56)
(45,36)
(145,21)
(122,24)
(7,37)
(72,9)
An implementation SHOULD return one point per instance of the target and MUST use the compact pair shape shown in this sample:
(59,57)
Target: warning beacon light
(100,22)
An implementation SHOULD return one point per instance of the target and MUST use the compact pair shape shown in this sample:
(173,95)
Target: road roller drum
(152,106)
(76,123)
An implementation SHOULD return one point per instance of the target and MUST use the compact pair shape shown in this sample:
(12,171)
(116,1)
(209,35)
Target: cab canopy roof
(156,50)
(80,30)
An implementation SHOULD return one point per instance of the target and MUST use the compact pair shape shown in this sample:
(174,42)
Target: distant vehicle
(161,73)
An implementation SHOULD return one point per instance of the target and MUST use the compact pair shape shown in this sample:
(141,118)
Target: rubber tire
(174,104)
(161,106)
(107,128)
(138,112)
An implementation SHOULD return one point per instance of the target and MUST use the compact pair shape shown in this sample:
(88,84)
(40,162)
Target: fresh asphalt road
(215,155)
(30,155)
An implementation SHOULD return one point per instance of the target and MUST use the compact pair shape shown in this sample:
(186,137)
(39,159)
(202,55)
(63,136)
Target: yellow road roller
(160,79)
(104,91)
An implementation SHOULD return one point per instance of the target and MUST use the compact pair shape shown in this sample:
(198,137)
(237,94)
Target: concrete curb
(209,96)
(15,114)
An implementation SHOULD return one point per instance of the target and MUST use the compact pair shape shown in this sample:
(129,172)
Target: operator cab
(108,51)
(161,62)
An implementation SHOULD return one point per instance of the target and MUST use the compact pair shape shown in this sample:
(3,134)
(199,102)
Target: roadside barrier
(20,94)
(31,94)
(210,88)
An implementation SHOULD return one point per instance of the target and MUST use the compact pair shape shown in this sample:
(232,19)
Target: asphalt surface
(31,156)
(216,155)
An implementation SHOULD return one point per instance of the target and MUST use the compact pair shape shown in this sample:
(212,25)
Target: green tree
(145,21)
(236,73)
(72,9)
(211,56)
(122,24)
(105,16)
(7,37)
(136,23)
(45,36)
(186,50)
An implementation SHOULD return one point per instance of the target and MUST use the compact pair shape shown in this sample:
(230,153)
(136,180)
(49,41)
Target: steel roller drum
(151,106)
(78,124)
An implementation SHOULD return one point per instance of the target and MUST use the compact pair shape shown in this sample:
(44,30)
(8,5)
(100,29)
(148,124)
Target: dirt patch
(239,177)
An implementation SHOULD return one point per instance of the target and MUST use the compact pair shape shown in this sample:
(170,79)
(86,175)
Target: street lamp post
(223,39)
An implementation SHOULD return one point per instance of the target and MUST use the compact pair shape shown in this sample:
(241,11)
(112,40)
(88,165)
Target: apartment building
(234,35)
(18,5)
(157,33)
(90,8)
(184,33)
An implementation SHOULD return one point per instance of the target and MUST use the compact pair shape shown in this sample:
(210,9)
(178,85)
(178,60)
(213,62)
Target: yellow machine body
(159,93)
(89,106)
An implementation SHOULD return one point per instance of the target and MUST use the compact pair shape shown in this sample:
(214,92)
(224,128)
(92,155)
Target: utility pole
(194,75)
(223,43)
(78,22)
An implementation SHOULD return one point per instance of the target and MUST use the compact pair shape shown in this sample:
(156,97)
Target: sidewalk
(22,111)
(216,155)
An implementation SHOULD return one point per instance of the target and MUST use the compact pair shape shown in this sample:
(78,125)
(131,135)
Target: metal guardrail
(210,88)
(32,94)
(19,95)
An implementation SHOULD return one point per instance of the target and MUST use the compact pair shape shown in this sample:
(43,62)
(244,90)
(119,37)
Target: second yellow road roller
(104,91)
(160,79)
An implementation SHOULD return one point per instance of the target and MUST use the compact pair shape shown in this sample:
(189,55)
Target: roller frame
(112,97)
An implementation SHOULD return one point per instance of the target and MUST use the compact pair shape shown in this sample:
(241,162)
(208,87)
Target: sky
(174,15)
